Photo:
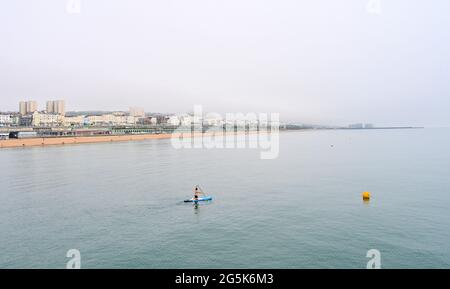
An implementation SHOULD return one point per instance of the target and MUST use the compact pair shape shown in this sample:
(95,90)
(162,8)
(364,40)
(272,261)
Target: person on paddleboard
(197,192)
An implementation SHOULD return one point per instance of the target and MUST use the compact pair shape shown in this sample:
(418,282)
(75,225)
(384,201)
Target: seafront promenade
(28,142)
(47,141)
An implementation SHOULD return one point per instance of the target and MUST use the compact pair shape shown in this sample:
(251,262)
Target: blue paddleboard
(198,200)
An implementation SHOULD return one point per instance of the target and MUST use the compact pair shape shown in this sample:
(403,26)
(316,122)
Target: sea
(120,204)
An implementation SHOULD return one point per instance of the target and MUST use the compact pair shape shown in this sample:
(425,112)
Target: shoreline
(51,141)
(70,140)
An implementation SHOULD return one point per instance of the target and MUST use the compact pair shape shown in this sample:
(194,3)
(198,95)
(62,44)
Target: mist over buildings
(329,62)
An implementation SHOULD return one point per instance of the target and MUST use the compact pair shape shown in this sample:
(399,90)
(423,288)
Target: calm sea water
(120,203)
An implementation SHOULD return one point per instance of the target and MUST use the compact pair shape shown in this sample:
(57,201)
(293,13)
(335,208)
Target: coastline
(53,141)
(32,142)
(67,140)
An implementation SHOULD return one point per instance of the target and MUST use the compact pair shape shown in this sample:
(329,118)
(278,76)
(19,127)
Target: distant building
(49,106)
(214,120)
(78,120)
(23,108)
(5,120)
(15,119)
(56,107)
(31,106)
(137,112)
(186,120)
(27,107)
(196,120)
(148,120)
(356,126)
(368,125)
(47,119)
(160,119)
(111,119)
(26,120)
(119,113)
(173,120)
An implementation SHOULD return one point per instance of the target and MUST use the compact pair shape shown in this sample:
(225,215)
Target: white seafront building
(111,119)
(78,120)
(42,119)
(173,120)
(5,119)
(185,119)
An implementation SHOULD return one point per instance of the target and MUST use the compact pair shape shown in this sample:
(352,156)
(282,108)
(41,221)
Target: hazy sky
(318,61)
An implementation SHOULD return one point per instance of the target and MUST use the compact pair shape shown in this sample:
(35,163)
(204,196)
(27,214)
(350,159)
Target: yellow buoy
(366,196)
